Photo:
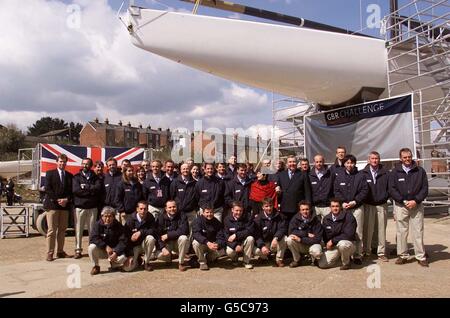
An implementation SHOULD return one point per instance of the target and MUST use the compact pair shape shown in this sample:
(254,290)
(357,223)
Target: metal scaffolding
(418,44)
(288,118)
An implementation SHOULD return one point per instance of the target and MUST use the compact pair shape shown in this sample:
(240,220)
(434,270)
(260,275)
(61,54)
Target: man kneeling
(305,235)
(209,237)
(270,232)
(339,234)
(173,230)
(141,233)
(108,241)
(239,234)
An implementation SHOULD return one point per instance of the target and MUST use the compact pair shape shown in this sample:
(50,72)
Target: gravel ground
(24,273)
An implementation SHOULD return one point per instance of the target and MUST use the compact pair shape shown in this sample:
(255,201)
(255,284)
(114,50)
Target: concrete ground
(25,273)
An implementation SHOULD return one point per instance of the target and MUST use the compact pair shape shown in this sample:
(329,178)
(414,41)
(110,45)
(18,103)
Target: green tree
(75,130)
(11,139)
(46,124)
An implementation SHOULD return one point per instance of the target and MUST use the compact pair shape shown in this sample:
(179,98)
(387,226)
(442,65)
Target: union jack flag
(75,155)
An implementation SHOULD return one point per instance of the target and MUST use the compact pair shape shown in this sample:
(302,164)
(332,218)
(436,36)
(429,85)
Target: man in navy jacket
(156,189)
(408,187)
(304,234)
(211,190)
(339,228)
(112,178)
(239,231)
(107,240)
(141,233)
(375,205)
(270,232)
(86,187)
(173,231)
(238,189)
(209,237)
(182,190)
(350,186)
(322,182)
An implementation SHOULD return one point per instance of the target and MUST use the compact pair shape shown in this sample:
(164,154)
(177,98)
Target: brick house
(97,134)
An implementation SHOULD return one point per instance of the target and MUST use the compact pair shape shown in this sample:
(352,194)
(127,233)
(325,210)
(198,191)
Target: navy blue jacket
(293,190)
(322,190)
(112,235)
(174,227)
(235,191)
(146,227)
(301,227)
(344,228)
(184,194)
(351,186)
(269,227)
(379,190)
(336,167)
(411,186)
(127,196)
(242,227)
(151,188)
(210,191)
(204,231)
(110,183)
(86,191)
(55,190)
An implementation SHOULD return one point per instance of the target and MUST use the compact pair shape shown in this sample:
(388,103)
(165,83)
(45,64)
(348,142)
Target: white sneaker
(248,266)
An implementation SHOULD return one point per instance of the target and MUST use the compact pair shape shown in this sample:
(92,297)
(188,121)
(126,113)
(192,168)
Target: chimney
(120,123)
(129,124)
(96,120)
(140,126)
(159,129)
(149,127)
(107,121)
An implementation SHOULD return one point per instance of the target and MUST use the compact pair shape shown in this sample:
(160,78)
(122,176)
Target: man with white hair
(108,241)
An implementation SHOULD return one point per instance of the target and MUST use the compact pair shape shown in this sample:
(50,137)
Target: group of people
(319,213)
(7,189)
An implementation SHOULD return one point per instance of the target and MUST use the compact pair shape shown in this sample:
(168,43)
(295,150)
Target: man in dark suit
(58,195)
(294,186)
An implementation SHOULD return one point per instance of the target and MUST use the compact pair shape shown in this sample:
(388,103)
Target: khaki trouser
(375,215)
(83,216)
(123,217)
(202,249)
(146,248)
(322,212)
(298,248)
(343,250)
(247,247)
(190,217)
(180,246)
(156,212)
(280,249)
(358,213)
(218,213)
(96,253)
(57,221)
(404,218)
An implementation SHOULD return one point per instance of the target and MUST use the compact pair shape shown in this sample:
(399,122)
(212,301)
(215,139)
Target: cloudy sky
(50,69)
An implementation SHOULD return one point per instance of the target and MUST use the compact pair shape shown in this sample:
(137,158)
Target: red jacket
(259,191)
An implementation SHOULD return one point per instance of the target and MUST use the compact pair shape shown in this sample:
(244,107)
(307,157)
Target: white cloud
(50,69)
